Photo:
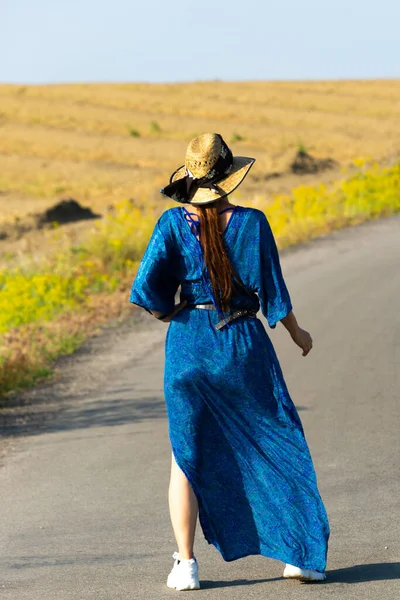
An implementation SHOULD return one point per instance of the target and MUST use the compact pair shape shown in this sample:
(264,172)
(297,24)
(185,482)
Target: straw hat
(210,171)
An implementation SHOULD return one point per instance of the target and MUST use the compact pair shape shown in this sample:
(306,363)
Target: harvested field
(327,157)
(102,143)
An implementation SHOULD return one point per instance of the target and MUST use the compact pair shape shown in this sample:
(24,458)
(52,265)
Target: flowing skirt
(237,436)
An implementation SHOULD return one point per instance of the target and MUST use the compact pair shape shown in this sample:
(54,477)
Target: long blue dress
(233,427)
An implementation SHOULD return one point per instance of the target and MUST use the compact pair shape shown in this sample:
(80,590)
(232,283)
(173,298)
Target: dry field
(111,148)
(102,143)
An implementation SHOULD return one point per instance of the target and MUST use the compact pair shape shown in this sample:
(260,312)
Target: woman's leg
(183,509)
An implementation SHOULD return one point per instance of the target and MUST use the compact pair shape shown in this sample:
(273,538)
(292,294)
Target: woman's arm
(167,318)
(300,337)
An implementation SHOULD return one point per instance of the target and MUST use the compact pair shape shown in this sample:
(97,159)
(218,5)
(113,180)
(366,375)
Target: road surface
(83,498)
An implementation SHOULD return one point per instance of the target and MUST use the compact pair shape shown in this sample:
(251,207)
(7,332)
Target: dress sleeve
(272,291)
(155,285)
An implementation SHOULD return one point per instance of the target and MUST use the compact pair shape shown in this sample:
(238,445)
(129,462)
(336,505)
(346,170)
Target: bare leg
(183,509)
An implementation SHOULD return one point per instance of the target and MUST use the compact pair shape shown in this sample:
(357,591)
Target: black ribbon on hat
(183,189)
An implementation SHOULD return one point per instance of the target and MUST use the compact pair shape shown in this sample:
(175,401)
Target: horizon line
(196,81)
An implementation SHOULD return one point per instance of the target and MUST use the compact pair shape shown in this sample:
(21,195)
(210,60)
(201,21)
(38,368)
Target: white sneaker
(292,572)
(184,574)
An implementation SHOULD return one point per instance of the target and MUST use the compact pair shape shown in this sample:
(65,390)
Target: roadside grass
(313,211)
(27,353)
(47,310)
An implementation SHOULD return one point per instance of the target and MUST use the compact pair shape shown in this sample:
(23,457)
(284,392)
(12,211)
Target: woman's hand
(303,339)
(178,308)
(300,337)
(168,318)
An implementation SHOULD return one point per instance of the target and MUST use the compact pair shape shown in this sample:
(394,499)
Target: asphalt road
(83,499)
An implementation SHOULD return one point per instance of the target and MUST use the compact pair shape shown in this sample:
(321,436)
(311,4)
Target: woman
(239,456)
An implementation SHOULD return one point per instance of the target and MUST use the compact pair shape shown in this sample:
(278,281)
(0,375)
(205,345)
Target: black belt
(234,314)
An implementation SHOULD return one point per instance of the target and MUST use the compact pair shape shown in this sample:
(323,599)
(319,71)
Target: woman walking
(239,456)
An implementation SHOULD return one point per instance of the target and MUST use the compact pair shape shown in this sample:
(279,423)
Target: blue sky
(45,41)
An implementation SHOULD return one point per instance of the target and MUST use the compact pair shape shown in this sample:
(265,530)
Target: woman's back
(174,257)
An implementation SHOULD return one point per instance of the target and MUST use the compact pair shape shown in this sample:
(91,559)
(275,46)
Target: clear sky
(44,41)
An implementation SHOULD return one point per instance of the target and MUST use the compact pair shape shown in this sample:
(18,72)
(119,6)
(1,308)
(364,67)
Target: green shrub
(134,132)
(155,127)
(302,150)
(236,137)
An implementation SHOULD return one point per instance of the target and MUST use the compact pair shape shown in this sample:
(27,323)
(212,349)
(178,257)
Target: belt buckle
(205,306)
(235,315)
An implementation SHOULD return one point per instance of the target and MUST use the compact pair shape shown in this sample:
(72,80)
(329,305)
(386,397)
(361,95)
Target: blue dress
(233,427)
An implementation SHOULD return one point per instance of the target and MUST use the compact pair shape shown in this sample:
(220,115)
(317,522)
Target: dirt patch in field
(65,211)
(302,164)
(305,164)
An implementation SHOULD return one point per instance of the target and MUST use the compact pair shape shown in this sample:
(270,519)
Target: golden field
(101,143)
(117,144)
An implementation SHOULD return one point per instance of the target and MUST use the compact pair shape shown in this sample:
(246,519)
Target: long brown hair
(215,256)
